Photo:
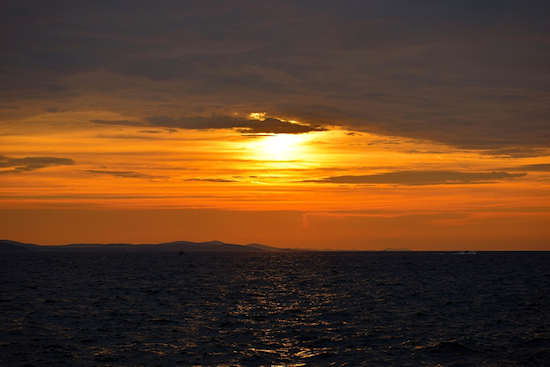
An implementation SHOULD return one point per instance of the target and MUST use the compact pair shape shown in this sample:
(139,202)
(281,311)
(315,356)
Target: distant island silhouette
(176,246)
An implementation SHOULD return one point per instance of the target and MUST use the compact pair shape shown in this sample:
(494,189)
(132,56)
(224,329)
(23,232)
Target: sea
(98,308)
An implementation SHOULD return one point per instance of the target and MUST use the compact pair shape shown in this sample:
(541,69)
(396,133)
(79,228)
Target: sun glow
(280,147)
(257,116)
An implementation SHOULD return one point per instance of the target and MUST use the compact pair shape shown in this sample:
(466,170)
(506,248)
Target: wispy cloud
(515,152)
(412,178)
(120,122)
(127,174)
(197,179)
(540,167)
(26,164)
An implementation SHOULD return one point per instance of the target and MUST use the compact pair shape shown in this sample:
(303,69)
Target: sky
(349,125)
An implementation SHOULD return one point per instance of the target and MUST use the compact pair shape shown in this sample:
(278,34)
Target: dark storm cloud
(268,126)
(413,178)
(26,164)
(473,74)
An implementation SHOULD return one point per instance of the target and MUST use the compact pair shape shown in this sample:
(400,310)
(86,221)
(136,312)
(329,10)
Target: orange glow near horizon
(397,201)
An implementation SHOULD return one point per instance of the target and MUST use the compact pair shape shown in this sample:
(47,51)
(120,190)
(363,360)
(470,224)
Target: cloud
(151,131)
(119,122)
(26,164)
(275,126)
(126,174)
(134,137)
(413,178)
(472,76)
(541,167)
(193,122)
(269,125)
(210,180)
(515,152)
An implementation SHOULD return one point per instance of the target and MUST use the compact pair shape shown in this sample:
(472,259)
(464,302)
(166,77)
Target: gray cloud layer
(422,178)
(474,74)
(26,164)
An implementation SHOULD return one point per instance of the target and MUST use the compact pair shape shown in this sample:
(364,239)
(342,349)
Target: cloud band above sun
(267,125)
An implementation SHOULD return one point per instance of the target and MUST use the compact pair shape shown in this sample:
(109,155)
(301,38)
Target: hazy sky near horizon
(311,124)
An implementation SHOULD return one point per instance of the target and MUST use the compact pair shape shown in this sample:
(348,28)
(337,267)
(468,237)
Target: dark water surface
(272,309)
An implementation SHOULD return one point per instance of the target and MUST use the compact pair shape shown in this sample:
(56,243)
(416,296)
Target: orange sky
(309,124)
(334,189)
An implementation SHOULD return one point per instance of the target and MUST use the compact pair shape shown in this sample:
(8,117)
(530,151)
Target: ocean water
(274,309)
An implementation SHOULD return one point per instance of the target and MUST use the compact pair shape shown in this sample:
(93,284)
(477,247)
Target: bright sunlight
(279,147)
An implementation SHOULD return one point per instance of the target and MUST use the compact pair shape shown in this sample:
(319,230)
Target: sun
(279,147)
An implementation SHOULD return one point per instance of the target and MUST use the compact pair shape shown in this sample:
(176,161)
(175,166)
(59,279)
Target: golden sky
(322,126)
(335,188)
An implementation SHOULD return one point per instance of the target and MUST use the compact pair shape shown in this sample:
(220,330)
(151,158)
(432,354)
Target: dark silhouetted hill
(259,246)
(7,246)
(177,246)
